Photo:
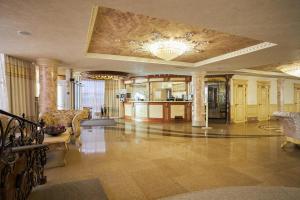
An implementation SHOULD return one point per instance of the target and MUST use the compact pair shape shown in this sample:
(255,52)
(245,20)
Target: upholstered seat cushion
(291,123)
(67,118)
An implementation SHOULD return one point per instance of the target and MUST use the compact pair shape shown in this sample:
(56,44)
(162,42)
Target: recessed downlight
(24,33)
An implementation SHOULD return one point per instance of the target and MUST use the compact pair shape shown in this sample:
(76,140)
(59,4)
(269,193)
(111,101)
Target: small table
(58,147)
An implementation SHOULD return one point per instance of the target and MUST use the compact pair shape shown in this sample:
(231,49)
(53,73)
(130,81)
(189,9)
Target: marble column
(121,104)
(198,116)
(68,99)
(48,84)
(280,95)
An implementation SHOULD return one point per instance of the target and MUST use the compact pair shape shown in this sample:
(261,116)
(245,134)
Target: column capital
(281,79)
(47,62)
(199,73)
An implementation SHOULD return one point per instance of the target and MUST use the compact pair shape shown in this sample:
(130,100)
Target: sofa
(67,118)
(291,126)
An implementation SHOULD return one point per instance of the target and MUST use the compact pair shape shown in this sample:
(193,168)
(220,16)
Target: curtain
(111,100)
(92,95)
(3,86)
(20,79)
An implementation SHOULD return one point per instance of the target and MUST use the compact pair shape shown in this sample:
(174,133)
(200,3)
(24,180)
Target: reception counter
(158,111)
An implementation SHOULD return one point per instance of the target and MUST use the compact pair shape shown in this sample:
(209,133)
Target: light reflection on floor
(93,140)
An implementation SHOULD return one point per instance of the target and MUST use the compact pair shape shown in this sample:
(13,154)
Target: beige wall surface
(289,104)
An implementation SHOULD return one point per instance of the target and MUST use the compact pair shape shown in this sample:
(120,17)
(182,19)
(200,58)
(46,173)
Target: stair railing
(22,156)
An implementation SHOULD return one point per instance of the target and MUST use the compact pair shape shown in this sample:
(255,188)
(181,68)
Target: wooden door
(240,102)
(263,101)
(297,99)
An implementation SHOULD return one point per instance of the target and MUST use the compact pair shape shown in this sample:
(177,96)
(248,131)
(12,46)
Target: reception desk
(158,111)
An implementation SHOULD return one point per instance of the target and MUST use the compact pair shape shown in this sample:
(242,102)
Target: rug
(98,122)
(79,190)
(242,193)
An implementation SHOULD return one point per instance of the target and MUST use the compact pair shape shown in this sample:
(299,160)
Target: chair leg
(284,144)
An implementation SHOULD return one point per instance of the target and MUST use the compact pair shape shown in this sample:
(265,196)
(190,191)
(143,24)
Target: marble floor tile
(152,160)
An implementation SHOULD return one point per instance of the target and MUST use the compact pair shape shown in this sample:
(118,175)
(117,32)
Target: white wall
(61,94)
(252,89)
(289,90)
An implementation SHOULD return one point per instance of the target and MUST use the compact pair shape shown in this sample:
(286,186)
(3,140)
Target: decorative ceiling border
(91,27)
(259,72)
(138,59)
(247,50)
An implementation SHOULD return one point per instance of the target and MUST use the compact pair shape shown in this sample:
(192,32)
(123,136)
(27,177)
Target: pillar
(48,84)
(198,116)
(68,96)
(121,104)
(280,95)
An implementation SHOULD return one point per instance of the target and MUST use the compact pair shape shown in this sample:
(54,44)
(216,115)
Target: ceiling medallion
(291,69)
(169,48)
(103,75)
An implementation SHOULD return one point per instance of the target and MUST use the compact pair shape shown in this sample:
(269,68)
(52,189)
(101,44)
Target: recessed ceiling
(59,29)
(267,68)
(115,32)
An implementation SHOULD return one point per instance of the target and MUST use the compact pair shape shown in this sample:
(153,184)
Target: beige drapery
(92,95)
(111,100)
(20,79)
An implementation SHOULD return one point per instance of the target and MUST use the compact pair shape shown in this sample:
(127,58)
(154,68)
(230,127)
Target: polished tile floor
(150,161)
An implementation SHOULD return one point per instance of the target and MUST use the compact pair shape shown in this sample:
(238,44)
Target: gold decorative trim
(265,83)
(91,27)
(240,81)
(138,59)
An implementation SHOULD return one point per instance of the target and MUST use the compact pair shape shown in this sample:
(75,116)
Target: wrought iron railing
(22,156)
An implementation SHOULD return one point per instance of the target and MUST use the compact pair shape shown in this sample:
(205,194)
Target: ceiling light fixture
(24,33)
(291,69)
(168,49)
(103,75)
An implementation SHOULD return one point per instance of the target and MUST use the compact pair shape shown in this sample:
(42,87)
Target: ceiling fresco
(114,32)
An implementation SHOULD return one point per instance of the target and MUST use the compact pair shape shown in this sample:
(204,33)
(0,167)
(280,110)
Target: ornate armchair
(291,126)
(67,118)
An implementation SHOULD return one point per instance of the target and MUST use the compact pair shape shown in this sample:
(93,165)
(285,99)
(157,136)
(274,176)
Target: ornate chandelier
(103,75)
(291,69)
(168,49)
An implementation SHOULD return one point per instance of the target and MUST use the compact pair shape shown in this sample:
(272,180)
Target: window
(92,95)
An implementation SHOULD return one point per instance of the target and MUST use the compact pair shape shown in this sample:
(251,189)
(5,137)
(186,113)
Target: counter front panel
(159,111)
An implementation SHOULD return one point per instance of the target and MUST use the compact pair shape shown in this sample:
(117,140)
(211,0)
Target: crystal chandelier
(291,69)
(168,49)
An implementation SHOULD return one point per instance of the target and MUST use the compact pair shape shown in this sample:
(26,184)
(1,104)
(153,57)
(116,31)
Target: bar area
(158,98)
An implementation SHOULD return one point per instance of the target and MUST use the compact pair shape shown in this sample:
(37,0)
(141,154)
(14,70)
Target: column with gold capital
(198,116)
(280,95)
(48,84)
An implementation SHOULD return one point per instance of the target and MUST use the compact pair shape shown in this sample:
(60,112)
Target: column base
(198,123)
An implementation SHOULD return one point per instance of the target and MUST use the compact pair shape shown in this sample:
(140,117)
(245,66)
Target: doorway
(216,100)
(240,100)
(263,96)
